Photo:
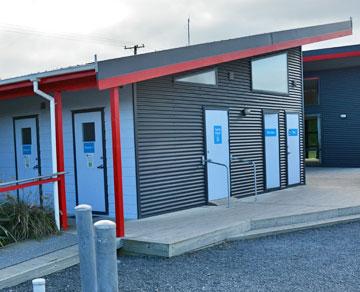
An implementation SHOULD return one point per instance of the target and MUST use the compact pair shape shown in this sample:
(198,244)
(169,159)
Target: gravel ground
(325,259)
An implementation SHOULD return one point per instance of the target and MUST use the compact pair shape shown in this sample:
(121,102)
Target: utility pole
(188,27)
(135,48)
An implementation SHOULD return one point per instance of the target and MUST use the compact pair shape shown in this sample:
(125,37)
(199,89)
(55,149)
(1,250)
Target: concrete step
(251,234)
(42,266)
(303,218)
(39,267)
(243,230)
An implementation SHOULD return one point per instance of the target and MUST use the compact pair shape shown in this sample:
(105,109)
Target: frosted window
(270,74)
(204,77)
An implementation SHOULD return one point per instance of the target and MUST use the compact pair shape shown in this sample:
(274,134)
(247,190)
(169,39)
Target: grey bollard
(85,231)
(38,285)
(105,240)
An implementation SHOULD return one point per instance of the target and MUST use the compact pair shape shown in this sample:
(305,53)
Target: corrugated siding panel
(339,94)
(170,134)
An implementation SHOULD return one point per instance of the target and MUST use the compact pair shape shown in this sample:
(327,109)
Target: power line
(135,48)
(66,36)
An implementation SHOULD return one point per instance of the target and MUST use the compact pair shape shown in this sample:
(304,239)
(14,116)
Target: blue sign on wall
(89,147)
(293,132)
(270,132)
(217,134)
(26,149)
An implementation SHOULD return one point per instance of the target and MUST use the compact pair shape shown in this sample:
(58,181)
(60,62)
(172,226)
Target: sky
(39,35)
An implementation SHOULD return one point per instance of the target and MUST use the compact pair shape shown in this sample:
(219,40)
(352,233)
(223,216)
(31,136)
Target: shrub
(20,220)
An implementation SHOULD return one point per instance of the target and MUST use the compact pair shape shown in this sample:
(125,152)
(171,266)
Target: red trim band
(331,56)
(204,62)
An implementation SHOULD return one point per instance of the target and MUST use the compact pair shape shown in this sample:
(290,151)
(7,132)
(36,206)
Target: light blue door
(272,156)
(90,160)
(217,150)
(293,148)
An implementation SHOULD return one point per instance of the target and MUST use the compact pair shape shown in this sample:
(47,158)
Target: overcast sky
(37,35)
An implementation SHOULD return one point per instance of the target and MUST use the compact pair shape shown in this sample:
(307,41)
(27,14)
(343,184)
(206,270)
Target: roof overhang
(122,71)
(69,79)
(332,58)
(127,70)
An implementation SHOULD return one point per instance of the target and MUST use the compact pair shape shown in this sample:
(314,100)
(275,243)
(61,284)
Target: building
(153,133)
(332,100)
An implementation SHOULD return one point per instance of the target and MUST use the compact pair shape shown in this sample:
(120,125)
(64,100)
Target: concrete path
(330,196)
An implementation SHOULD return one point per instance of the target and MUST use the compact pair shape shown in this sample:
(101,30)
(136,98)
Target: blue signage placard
(89,147)
(26,149)
(293,132)
(270,132)
(217,134)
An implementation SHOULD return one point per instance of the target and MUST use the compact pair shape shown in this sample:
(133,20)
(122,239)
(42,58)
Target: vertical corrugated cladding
(170,134)
(339,91)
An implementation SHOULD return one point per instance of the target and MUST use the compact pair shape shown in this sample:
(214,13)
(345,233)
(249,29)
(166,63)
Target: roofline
(213,60)
(52,73)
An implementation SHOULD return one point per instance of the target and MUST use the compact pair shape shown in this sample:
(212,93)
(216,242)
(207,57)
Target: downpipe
(51,100)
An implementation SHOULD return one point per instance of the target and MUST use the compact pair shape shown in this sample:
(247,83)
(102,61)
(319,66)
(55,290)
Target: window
(311,91)
(270,74)
(26,136)
(204,77)
(88,132)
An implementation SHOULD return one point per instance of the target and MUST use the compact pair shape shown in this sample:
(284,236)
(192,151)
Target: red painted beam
(331,56)
(117,163)
(60,159)
(29,184)
(67,82)
(209,61)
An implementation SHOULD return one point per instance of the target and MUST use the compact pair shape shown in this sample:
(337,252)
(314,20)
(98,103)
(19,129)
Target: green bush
(20,220)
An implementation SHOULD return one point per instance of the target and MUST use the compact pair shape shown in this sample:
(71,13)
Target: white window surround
(207,77)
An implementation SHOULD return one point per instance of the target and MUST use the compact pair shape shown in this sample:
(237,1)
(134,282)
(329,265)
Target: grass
(20,220)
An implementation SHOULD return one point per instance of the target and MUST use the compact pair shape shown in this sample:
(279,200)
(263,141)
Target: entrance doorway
(217,150)
(90,159)
(272,150)
(27,156)
(293,148)
(312,140)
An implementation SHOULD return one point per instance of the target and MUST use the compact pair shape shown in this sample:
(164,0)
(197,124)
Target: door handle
(36,166)
(101,166)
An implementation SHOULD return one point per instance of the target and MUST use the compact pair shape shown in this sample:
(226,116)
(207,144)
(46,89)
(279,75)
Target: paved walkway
(20,252)
(327,189)
(330,196)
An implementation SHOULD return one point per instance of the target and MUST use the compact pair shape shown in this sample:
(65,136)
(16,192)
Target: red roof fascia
(209,61)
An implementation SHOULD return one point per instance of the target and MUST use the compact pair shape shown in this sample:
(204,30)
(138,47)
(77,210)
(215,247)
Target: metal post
(255,183)
(85,230)
(107,275)
(38,285)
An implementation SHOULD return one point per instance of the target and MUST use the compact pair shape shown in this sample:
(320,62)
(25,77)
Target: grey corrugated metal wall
(170,134)
(339,91)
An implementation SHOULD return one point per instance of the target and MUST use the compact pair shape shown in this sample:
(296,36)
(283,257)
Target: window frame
(318,90)
(264,91)
(215,69)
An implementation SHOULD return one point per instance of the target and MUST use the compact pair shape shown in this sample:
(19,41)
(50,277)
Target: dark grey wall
(170,134)
(339,93)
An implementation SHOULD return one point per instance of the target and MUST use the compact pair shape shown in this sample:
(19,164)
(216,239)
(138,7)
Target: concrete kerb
(243,230)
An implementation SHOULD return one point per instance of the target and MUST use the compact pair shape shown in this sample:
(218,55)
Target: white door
(89,156)
(293,148)
(272,156)
(27,160)
(217,147)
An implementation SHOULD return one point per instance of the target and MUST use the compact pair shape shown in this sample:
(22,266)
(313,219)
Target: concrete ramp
(331,196)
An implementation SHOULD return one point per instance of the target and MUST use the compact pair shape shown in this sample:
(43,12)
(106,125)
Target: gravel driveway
(326,259)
